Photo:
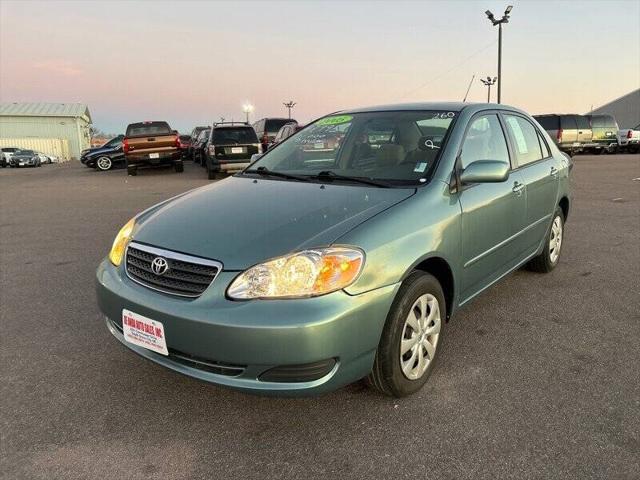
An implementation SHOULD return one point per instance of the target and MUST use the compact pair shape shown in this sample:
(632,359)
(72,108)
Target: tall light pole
(499,22)
(290,106)
(488,82)
(247,108)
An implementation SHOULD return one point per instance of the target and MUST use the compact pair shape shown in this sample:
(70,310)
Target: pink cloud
(60,67)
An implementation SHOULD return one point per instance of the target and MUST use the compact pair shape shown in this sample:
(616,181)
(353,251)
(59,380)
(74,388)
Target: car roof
(419,106)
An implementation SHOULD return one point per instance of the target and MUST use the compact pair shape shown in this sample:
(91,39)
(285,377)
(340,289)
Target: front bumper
(255,336)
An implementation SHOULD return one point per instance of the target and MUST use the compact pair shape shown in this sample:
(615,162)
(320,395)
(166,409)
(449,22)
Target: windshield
(400,148)
(25,152)
(234,135)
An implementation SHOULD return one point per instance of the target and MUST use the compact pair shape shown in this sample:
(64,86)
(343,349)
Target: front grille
(200,363)
(185,275)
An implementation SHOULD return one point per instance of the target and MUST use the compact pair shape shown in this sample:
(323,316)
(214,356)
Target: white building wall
(74,130)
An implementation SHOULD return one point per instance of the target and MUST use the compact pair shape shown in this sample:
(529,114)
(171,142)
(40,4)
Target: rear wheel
(178,166)
(132,170)
(409,343)
(104,163)
(550,256)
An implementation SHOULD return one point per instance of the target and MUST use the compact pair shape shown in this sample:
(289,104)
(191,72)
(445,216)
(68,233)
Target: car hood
(24,156)
(242,221)
(98,151)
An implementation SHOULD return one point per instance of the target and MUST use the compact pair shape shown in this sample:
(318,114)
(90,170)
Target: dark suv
(229,148)
(268,128)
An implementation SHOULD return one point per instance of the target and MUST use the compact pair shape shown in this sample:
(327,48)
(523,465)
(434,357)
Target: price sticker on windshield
(336,120)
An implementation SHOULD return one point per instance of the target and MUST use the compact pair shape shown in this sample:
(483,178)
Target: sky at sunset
(193,62)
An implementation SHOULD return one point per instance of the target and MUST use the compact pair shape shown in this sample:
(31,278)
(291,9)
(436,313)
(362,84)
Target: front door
(492,213)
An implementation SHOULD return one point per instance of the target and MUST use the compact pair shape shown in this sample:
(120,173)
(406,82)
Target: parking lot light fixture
(247,108)
(289,105)
(494,21)
(488,82)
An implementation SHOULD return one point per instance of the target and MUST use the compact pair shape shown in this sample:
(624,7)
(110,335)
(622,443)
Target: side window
(583,122)
(525,139)
(546,153)
(484,141)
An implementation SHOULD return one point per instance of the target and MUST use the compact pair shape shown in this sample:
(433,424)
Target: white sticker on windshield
(420,167)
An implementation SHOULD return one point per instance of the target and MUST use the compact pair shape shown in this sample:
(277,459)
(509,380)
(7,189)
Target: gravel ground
(538,378)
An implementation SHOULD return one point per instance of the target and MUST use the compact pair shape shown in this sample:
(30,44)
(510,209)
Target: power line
(450,70)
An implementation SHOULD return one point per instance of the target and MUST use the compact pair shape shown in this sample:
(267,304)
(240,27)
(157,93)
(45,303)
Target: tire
(387,375)
(178,166)
(104,163)
(549,258)
(132,170)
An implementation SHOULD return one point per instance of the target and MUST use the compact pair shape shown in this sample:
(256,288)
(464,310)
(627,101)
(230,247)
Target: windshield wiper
(329,175)
(265,172)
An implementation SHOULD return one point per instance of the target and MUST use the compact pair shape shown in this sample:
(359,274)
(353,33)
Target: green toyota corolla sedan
(342,252)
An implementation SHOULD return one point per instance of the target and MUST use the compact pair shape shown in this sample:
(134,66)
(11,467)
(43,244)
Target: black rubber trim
(307,372)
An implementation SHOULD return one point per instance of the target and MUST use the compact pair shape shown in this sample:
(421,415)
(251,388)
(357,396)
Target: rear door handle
(554,172)
(517,188)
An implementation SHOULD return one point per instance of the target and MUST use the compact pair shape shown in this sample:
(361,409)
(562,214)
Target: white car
(629,139)
(6,154)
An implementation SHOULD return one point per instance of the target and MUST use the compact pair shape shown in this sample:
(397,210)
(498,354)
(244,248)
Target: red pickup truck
(151,144)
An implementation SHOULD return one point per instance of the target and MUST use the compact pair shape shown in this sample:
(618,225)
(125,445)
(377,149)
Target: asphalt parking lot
(538,378)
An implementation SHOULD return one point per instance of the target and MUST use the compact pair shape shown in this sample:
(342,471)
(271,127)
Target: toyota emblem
(160,266)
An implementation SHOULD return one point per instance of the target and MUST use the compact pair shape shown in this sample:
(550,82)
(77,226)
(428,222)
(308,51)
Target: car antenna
(468,88)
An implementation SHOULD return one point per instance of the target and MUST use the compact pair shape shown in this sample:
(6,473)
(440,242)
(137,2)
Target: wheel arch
(564,205)
(442,271)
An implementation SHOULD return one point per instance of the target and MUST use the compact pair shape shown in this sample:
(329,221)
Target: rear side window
(525,139)
(272,126)
(568,122)
(583,122)
(484,141)
(148,128)
(234,135)
(545,148)
(549,122)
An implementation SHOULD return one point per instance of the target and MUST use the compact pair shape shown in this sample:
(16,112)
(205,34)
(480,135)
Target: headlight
(120,243)
(303,274)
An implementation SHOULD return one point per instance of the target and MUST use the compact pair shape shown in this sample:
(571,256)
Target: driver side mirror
(485,171)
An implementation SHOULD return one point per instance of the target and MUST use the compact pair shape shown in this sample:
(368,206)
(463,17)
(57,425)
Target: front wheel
(409,343)
(550,256)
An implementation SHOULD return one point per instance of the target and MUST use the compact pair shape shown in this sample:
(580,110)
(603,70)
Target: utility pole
(494,21)
(488,82)
(290,106)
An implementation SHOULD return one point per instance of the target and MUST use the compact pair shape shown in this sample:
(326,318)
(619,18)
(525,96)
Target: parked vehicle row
(594,134)
(35,158)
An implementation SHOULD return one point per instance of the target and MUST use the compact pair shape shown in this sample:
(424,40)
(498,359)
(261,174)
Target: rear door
(539,171)
(493,214)
(569,128)
(585,133)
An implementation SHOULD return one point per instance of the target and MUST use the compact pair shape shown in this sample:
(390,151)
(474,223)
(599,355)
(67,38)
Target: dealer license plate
(144,332)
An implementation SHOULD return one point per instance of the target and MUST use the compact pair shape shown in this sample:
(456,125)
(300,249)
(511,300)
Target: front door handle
(554,172)
(517,188)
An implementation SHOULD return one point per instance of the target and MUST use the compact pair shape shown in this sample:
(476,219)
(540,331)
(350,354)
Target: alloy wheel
(555,240)
(104,163)
(420,336)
